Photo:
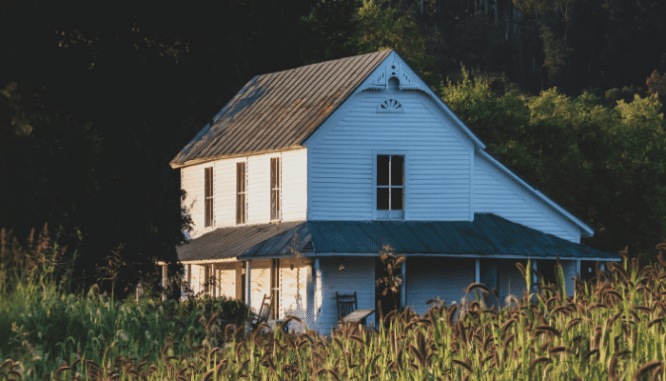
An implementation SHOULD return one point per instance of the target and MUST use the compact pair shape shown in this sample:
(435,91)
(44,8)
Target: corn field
(612,329)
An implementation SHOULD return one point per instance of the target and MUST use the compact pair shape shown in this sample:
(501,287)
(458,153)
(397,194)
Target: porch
(304,264)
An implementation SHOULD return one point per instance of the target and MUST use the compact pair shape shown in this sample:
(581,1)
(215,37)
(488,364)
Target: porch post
(535,278)
(248,284)
(212,276)
(577,274)
(403,285)
(477,276)
(318,291)
(164,281)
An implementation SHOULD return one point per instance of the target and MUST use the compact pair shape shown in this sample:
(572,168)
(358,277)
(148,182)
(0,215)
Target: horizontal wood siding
(225,186)
(294,190)
(569,269)
(495,193)
(341,160)
(294,185)
(260,282)
(225,279)
(358,276)
(432,278)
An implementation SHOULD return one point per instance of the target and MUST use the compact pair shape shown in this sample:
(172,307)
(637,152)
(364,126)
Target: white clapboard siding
(358,276)
(570,269)
(225,192)
(259,188)
(260,282)
(341,160)
(225,279)
(294,190)
(294,185)
(495,192)
(432,278)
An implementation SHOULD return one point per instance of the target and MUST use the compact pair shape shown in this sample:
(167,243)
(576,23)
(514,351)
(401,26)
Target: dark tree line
(96,100)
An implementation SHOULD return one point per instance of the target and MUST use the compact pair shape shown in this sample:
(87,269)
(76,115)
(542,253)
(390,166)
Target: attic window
(390,105)
(393,83)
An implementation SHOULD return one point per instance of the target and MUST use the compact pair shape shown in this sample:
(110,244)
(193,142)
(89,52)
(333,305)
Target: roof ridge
(325,62)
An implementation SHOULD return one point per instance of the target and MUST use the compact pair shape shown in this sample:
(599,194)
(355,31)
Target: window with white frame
(241,192)
(208,205)
(275,189)
(390,187)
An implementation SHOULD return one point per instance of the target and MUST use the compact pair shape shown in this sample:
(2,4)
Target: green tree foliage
(384,26)
(604,164)
(114,93)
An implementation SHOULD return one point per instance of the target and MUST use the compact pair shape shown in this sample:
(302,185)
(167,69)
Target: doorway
(390,301)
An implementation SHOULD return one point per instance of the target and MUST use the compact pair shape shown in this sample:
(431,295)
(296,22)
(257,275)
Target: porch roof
(487,235)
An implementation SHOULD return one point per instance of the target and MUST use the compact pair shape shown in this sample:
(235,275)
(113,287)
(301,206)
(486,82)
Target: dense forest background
(96,99)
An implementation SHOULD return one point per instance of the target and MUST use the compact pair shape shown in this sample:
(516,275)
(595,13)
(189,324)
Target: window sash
(386,190)
(275,188)
(208,190)
(240,193)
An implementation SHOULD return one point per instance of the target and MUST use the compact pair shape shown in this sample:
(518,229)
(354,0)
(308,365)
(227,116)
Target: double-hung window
(208,186)
(275,189)
(390,187)
(241,206)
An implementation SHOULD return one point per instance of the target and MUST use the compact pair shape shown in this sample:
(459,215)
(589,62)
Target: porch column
(577,274)
(318,297)
(212,276)
(248,284)
(535,278)
(189,280)
(403,285)
(164,281)
(477,273)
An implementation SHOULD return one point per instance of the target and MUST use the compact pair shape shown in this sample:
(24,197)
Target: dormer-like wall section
(257,194)
(388,129)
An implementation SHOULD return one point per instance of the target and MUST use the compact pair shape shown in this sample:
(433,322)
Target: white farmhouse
(299,181)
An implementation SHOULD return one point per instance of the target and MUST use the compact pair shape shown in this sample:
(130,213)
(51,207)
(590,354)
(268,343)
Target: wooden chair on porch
(346,305)
(264,312)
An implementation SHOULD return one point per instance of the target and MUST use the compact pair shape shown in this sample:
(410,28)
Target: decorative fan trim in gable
(390,105)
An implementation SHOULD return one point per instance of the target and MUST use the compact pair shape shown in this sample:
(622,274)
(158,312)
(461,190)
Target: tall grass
(613,329)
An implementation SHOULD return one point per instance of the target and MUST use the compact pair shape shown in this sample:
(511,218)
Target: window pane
(275,204)
(382,198)
(240,177)
(208,186)
(397,198)
(397,170)
(274,173)
(382,169)
(209,212)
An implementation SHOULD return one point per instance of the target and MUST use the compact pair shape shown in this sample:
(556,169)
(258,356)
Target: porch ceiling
(488,235)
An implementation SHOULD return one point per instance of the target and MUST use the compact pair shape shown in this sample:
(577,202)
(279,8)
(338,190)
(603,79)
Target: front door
(390,300)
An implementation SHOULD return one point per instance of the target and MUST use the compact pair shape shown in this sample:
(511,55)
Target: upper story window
(275,189)
(208,189)
(241,182)
(390,187)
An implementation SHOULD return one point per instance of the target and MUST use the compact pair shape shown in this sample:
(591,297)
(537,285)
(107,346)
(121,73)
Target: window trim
(278,189)
(245,193)
(375,153)
(209,223)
